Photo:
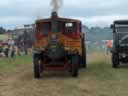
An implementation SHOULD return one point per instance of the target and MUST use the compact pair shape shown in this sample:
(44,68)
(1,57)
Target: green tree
(2,30)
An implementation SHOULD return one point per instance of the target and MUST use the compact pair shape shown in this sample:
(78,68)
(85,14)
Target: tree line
(97,33)
(2,30)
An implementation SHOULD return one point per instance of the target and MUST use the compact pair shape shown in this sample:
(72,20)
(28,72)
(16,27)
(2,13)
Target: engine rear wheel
(36,66)
(75,63)
(84,60)
(115,60)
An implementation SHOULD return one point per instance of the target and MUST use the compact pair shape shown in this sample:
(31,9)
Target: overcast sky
(15,13)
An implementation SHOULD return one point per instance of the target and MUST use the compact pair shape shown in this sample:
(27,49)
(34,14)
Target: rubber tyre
(36,67)
(84,60)
(115,60)
(75,63)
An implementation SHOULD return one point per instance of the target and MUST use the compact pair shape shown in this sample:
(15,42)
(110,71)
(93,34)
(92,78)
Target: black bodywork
(120,42)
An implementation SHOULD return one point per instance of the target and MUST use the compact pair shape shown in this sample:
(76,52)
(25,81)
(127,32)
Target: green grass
(9,64)
(101,68)
(99,79)
(4,37)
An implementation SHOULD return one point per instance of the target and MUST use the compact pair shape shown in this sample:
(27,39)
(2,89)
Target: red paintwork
(66,67)
(74,35)
(36,32)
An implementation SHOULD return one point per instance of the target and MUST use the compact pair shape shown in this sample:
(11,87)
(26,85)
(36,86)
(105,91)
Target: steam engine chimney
(54,22)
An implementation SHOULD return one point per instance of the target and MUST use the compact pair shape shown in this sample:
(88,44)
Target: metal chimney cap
(54,14)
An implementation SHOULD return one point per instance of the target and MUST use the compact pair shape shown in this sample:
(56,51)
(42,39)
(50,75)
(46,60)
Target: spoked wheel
(115,60)
(75,63)
(36,61)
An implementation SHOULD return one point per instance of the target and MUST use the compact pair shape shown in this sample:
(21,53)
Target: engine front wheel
(115,60)
(84,57)
(36,62)
(75,64)
(84,60)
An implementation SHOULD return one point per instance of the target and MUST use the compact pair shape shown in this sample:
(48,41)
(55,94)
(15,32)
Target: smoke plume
(56,4)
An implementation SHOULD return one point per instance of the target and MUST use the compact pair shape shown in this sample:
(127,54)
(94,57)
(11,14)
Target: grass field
(100,79)
(3,37)
(9,64)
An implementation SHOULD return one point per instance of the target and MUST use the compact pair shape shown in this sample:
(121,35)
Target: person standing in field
(109,46)
(11,49)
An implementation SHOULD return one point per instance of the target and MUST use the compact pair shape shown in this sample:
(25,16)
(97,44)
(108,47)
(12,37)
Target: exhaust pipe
(54,22)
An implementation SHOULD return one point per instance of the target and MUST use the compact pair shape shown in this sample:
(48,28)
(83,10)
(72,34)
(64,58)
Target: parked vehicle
(120,44)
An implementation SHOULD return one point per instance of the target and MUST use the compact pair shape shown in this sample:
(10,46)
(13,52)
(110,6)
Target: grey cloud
(86,9)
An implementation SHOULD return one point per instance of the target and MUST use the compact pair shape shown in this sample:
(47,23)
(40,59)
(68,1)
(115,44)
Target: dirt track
(22,83)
